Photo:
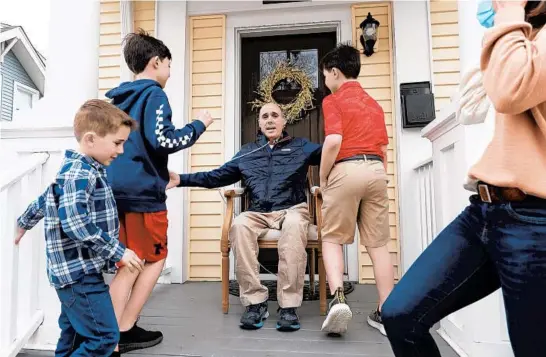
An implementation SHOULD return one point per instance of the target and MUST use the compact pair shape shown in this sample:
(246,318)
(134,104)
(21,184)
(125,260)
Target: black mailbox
(417,104)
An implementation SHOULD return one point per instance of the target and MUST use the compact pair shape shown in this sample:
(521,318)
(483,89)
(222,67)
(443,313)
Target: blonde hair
(102,118)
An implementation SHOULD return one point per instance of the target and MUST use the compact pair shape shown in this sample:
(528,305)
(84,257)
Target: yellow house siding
(207,76)
(144,16)
(109,46)
(444,28)
(110,50)
(376,77)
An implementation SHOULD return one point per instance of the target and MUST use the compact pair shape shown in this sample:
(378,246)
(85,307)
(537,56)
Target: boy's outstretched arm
(32,215)
(76,221)
(160,132)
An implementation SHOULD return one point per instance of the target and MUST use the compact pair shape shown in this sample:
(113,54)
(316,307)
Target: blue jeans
(486,247)
(87,321)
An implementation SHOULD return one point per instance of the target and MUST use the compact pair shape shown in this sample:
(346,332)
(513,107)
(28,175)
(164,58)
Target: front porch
(191,319)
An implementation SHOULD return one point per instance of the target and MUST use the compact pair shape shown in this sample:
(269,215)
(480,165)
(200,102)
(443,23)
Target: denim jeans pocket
(532,213)
(67,296)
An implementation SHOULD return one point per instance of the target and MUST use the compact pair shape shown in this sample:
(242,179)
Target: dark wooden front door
(259,56)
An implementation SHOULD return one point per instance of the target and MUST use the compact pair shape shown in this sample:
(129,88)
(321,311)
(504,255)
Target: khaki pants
(356,194)
(244,233)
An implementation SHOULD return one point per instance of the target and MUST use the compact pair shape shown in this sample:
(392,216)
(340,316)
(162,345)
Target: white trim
(23,132)
(171,21)
(20,86)
(458,350)
(431,58)
(1,87)
(444,122)
(7,49)
(231,7)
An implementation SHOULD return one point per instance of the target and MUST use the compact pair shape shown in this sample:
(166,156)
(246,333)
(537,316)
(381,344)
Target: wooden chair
(270,237)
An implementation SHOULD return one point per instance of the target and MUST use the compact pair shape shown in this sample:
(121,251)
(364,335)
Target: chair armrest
(315,191)
(234,192)
(230,194)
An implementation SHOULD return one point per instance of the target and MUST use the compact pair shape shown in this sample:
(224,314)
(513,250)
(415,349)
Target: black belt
(361,157)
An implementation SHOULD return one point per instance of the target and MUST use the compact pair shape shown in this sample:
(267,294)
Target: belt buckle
(485,196)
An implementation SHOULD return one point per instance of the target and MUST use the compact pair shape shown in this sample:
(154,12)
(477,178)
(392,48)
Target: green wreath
(303,100)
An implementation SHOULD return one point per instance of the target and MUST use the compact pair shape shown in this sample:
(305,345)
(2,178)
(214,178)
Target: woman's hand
(499,4)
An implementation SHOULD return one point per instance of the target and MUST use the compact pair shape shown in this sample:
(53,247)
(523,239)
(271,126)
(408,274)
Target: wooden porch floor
(190,317)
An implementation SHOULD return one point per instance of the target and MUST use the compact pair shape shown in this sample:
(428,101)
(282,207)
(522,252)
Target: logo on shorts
(158,248)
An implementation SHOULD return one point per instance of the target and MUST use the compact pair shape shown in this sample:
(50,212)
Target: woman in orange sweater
(499,240)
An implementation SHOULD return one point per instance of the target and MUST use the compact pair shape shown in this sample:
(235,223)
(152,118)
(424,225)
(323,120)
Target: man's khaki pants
(244,233)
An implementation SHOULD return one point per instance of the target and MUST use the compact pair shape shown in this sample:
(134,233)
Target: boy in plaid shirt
(81,230)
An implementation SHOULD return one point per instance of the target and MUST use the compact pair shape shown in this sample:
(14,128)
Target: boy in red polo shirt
(353,180)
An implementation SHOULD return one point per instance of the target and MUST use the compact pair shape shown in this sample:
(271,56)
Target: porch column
(72,68)
(126,10)
(470,34)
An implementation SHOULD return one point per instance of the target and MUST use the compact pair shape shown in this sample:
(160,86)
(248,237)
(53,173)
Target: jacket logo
(285,149)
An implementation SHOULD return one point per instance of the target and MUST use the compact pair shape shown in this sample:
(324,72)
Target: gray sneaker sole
(337,320)
(378,326)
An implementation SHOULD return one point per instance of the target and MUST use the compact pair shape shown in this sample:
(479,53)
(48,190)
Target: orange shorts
(145,234)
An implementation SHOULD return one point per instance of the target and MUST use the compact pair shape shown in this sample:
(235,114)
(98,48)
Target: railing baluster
(19,280)
(427,218)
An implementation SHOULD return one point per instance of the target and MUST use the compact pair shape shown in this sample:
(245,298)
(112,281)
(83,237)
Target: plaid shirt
(81,221)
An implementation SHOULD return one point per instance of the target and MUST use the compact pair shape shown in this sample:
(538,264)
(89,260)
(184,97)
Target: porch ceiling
(193,325)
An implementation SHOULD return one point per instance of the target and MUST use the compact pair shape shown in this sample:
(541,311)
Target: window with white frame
(24,98)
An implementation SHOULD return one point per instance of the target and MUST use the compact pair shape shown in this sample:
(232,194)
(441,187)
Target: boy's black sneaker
(375,321)
(288,320)
(115,354)
(254,316)
(138,338)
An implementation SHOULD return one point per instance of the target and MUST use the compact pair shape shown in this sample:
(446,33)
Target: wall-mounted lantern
(369,34)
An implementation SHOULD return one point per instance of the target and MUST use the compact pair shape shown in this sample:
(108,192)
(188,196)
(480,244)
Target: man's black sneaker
(288,320)
(375,321)
(254,316)
(339,315)
(138,338)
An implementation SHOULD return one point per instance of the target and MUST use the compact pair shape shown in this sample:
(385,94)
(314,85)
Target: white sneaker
(339,315)
(374,320)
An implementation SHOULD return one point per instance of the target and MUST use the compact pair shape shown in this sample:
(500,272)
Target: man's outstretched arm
(225,175)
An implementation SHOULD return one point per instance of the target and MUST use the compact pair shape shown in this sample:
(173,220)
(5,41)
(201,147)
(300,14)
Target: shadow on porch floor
(193,325)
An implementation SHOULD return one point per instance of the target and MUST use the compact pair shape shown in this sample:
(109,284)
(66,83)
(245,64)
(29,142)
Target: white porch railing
(427,214)
(20,316)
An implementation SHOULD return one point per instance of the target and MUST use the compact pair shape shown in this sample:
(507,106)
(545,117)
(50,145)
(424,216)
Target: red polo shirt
(353,114)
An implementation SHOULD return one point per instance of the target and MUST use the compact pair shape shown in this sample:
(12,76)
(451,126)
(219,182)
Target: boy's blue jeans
(88,322)
(486,247)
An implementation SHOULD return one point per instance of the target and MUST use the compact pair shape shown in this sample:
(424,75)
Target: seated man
(274,170)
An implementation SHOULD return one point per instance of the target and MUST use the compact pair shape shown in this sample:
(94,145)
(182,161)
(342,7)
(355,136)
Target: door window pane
(269,61)
(307,61)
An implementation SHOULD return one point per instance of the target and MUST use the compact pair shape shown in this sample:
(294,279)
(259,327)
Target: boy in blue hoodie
(140,177)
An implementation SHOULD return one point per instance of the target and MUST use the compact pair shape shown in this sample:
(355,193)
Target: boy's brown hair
(102,118)
(140,47)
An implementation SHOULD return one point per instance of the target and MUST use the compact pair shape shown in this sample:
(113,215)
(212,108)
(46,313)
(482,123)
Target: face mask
(486,13)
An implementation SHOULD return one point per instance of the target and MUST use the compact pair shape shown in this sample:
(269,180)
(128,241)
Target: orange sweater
(513,62)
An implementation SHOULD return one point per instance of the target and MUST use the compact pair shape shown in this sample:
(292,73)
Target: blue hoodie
(139,176)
